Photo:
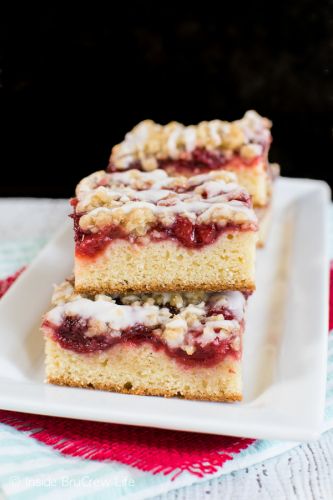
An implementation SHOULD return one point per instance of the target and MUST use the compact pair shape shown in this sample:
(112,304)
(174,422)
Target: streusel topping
(182,320)
(136,200)
(149,142)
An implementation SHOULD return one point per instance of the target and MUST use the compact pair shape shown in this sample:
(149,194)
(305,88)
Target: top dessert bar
(147,231)
(240,146)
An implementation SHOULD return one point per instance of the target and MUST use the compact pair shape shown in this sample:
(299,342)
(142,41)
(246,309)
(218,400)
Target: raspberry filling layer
(199,161)
(183,231)
(71,335)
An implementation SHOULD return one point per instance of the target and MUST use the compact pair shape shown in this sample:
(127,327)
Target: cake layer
(240,147)
(122,267)
(144,371)
(167,344)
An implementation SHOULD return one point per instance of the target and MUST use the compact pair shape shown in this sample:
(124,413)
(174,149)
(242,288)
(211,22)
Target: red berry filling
(70,335)
(188,234)
(182,231)
(215,311)
(199,161)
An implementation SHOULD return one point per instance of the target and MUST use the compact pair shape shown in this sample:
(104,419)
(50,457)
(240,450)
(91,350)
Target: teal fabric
(14,255)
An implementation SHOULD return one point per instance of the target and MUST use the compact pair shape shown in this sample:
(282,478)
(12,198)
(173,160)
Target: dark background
(73,82)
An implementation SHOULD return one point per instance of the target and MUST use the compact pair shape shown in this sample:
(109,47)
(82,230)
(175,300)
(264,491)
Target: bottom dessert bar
(185,345)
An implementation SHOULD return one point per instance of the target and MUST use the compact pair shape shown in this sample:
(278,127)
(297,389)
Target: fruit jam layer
(71,335)
(200,161)
(182,231)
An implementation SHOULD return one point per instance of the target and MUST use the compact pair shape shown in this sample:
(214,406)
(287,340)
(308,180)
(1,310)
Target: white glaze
(174,330)
(149,139)
(204,194)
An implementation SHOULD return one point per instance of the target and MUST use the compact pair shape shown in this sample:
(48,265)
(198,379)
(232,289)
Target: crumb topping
(136,201)
(149,142)
(181,320)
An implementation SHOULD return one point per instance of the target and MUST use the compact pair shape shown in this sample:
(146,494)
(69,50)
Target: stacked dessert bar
(145,231)
(165,246)
(165,344)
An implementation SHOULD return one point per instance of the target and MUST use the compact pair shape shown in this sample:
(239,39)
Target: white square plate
(285,342)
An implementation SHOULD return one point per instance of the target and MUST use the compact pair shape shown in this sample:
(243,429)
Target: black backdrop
(74,81)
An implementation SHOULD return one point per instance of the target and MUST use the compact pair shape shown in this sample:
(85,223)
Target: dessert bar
(146,231)
(169,344)
(240,146)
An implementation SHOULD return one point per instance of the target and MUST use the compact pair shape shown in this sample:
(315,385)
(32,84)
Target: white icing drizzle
(149,139)
(233,300)
(176,331)
(255,128)
(190,138)
(212,196)
(119,316)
